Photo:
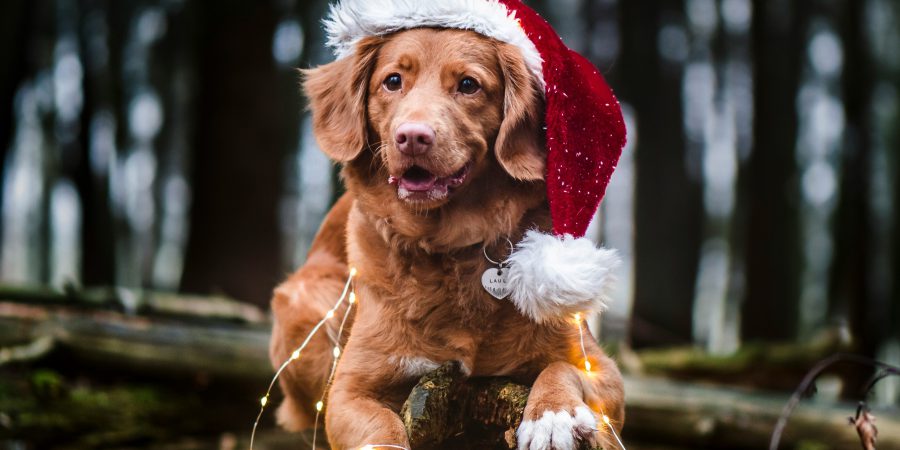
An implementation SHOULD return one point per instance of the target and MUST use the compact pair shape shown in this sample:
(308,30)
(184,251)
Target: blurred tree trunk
(14,17)
(769,180)
(892,138)
(239,148)
(44,33)
(101,94)
(852,294)
(668,209)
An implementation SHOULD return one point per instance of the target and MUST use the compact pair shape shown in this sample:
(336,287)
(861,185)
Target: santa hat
(550,276)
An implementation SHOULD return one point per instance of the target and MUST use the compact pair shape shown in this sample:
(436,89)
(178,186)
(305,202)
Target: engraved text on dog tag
(494,281)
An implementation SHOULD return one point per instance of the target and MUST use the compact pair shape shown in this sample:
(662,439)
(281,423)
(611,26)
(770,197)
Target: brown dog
(439,134)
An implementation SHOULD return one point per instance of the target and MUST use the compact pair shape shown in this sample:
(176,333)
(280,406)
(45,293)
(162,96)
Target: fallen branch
(113,340)
(810,378)
(777,366)
(136,302)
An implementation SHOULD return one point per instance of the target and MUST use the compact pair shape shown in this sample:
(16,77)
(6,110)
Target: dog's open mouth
(418,183)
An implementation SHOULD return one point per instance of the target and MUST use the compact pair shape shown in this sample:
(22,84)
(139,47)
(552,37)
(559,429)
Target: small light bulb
(319,405)
(296,354)
(352,298)
(606,419)
(353,271)
(587,365)
(330,314)
(337,352)
(578,317)
(264,401)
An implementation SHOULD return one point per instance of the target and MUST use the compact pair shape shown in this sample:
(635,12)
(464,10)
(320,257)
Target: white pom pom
(554,277)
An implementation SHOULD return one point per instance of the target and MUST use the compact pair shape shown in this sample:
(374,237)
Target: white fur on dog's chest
(412,366)
(416,366)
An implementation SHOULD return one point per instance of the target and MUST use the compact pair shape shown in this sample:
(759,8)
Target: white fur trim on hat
(351,20)
(554,277)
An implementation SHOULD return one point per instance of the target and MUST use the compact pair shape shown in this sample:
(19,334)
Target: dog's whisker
(377,155)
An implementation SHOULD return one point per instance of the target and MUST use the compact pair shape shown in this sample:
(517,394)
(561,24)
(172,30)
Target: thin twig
(811,377)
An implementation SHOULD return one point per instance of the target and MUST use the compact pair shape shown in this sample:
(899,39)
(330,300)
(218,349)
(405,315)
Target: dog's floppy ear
(520,142)
(337,94)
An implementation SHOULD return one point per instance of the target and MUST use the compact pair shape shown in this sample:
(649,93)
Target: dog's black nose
(414,138)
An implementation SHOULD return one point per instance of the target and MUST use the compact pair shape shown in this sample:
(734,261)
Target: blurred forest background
(162,145)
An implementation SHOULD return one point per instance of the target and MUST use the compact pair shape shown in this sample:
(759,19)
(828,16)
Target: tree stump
(445,410)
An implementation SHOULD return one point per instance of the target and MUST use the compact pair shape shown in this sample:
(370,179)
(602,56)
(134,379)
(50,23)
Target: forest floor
(187,373)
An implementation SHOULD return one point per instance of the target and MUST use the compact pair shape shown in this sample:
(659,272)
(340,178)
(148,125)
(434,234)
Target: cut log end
(446,410)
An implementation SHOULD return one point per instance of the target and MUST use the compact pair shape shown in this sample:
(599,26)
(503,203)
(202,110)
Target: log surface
(446,410)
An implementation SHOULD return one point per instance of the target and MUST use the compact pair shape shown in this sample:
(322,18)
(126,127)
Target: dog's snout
(414,138)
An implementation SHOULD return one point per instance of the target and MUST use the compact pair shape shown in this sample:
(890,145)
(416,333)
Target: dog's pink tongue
(417,179)
(418,184)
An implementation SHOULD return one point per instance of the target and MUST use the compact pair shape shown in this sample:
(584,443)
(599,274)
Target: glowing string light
(337,354)
(295,355)
(613,431)
(587,369)
(587,364)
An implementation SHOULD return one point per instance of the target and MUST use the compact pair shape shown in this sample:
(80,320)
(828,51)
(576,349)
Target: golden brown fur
(420,261)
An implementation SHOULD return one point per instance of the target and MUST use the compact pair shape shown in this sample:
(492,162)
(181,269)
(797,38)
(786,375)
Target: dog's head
(435,107)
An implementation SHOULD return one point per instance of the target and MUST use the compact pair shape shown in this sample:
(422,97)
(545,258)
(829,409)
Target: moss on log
(766,365)
(48,410)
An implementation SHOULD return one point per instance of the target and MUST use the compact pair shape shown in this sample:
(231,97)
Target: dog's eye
(468,85)
(393,82)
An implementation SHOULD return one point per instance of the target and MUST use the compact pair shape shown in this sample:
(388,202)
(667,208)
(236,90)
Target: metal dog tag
(494,281)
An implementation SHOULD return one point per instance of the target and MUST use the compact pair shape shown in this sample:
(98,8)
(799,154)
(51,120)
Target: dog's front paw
(557,430)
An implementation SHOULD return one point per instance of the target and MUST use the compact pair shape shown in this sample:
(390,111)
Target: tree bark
(240,149)
(100,97)
(444,405)
(769,180)
(668,209)
(853,291)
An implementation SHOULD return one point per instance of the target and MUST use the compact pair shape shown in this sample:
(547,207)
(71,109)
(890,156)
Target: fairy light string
(336,352)
(613,431)
(295,355)
(587,369)
(587,364)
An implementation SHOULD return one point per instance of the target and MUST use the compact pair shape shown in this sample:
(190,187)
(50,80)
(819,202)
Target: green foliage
(47,385)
